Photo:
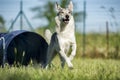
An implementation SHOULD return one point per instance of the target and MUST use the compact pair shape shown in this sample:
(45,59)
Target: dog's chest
(66,38)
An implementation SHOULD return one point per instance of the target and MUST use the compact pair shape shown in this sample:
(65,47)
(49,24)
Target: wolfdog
(64,37)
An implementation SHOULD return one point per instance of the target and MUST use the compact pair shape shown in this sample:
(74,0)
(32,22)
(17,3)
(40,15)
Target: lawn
(92,67)
(84,69)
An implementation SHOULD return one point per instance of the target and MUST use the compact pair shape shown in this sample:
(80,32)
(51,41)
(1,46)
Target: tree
(2,21)
(2,24)
(48,12)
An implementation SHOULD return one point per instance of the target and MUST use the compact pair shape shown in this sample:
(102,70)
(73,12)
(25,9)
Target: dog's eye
(70,12)
(62,12)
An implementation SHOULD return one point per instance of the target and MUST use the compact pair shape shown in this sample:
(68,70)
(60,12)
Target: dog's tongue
(66,21)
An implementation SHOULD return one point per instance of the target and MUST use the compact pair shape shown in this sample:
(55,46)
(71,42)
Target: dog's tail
(48,35)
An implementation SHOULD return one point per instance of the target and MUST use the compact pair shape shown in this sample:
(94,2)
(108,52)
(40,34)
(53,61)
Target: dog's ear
(70,6)
(57,6)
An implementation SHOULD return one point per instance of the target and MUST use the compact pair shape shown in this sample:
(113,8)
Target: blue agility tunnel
(21,47)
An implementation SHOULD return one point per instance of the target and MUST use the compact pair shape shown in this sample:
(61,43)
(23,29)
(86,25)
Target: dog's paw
(71,58)
(71,68)
(70,65)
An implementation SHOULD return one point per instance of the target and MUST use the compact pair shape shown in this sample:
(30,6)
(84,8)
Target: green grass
(96,45)
(84,69)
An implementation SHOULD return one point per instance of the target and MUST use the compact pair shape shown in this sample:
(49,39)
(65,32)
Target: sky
(95,20)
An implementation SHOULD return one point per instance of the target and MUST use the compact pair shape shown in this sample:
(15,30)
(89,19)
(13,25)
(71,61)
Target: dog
(63,38)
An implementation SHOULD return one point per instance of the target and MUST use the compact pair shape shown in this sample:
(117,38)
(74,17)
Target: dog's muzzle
(66,19)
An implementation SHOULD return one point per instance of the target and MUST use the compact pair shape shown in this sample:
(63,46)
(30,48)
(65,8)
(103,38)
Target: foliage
(48,12)
(96,45)
(2,20)
(2,24)
(84,69)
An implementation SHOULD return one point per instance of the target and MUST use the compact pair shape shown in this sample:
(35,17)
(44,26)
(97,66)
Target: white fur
(62,39)
(48,35)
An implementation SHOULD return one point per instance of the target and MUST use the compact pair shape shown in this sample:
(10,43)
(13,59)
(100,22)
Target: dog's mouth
(66,21)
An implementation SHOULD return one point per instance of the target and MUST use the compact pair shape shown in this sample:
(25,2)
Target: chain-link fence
(97,23)
(100,34)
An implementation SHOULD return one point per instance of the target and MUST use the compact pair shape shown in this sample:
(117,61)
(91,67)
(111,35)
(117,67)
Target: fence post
(107,39)
(84,27)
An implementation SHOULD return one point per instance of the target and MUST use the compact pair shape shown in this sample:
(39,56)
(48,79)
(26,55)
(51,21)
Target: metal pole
(84,27)
(22,15)
(28,22)
(107,38)
(21,12)
(4,52)
(14,22)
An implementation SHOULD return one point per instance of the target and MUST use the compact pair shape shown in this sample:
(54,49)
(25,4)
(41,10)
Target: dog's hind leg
(50,55)
(62,61)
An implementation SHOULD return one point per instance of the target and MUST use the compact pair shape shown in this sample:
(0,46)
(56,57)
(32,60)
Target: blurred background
(97,22)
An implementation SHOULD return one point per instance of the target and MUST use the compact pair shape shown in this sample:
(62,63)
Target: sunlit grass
(84,69)
(96,44)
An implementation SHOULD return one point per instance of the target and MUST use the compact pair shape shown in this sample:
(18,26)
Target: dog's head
(64,14)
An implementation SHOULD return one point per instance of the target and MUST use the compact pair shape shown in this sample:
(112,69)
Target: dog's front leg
(73,53)
(70,65)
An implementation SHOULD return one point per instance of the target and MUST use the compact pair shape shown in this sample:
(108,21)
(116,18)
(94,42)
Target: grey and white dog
(64,37)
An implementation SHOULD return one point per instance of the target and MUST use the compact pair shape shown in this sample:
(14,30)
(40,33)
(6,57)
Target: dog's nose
(67,16)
